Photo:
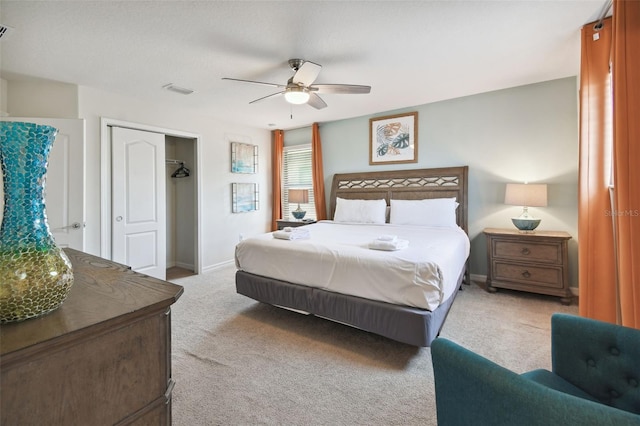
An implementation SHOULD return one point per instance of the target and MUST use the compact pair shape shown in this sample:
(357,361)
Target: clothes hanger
(181,172)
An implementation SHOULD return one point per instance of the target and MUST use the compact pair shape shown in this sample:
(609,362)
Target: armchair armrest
(471,389)
(600,358)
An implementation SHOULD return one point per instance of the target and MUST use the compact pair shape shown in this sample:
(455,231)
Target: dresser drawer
(540,276)
(529,251)
(97,380)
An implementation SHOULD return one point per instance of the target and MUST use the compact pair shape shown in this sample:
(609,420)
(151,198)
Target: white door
(138,201)
(64,190)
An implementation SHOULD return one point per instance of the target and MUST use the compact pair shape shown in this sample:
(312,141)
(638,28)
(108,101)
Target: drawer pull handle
(525,251)
(526,274)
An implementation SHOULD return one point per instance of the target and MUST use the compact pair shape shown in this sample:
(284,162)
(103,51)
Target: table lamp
(298,196)
(526,195)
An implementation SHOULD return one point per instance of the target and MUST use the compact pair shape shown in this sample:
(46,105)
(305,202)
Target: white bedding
(337,258)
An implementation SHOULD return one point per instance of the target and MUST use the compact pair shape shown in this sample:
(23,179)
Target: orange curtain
(609,219)
(626,155)
(278,149)
(318,174)
(596,257)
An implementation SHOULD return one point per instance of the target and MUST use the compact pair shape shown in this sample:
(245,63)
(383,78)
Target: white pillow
(440,212)
(360,211)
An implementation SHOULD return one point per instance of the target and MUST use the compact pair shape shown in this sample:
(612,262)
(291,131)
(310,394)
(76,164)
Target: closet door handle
(74,225)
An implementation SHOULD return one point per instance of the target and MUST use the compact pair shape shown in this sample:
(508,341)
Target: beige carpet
(239,362)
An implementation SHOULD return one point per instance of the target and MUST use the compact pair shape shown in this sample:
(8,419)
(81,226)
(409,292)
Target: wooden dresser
(534,262)
(102,358)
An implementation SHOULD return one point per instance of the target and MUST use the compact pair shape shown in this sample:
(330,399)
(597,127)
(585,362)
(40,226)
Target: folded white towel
(289,233)
(388,245)
(296,229)
(392,238)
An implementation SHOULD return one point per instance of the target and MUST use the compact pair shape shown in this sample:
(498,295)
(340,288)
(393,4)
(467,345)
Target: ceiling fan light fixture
(296,95)
(300,87)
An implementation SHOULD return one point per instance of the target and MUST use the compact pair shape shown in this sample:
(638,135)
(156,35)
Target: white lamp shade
(526,195)
(300,196)
(296,95)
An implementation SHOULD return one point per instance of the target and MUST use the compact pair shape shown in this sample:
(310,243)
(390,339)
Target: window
(297,173)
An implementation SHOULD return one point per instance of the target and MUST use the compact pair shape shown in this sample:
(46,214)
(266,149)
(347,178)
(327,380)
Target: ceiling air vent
(172,87)
(5,31)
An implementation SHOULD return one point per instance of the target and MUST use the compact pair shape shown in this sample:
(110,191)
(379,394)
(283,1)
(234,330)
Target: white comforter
(337,258)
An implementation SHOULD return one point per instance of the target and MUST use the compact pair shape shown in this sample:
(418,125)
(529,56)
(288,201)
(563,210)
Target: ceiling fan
(300,88)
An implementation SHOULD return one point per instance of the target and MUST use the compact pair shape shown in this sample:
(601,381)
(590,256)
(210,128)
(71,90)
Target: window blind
(297,174)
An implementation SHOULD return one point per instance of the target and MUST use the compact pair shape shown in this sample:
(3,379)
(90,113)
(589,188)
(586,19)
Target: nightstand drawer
(533,252)
(534,262)
(528,274)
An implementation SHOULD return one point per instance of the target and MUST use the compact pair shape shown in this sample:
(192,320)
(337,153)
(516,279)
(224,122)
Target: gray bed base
(417,327)
(414,326)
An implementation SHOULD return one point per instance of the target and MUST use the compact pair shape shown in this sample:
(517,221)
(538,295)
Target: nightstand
(535,262)
(282,223)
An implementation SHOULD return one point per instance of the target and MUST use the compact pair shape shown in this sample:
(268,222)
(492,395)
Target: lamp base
(526,225)
(298,214)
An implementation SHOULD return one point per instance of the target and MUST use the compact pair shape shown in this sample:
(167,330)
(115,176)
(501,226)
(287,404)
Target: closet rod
(168,161)
(603,14)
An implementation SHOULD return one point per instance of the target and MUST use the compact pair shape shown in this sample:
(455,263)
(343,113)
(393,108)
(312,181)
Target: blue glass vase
(35,274)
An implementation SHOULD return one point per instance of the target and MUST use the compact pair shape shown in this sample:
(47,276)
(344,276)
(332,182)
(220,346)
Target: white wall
(3,97)
(42,98)
(220,227)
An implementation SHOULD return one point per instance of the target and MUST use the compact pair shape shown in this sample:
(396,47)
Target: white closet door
(138,201)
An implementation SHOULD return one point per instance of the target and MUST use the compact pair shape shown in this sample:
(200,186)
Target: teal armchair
(595,380)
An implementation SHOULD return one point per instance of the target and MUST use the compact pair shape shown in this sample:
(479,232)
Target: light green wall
(527,133)
(297,136)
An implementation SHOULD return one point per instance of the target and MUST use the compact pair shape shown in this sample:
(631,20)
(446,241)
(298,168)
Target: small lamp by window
(526,195)
(298,196)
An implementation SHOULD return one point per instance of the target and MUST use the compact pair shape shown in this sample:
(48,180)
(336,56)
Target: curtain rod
(603,14)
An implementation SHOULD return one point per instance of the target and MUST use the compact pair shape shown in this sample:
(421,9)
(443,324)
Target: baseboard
(183,265)
(478,278)
(220,265)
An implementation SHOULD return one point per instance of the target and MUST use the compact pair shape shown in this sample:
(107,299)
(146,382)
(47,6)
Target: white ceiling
(411,53)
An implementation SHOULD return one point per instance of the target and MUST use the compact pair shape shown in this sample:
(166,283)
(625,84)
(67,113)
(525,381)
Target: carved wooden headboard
(416,184)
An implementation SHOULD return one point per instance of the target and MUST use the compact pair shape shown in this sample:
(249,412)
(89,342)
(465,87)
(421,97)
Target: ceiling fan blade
(255,82)
(307,73)
(265,97)
(340,88)
(316,101)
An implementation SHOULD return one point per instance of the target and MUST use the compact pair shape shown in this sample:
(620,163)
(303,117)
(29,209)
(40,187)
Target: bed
(320,275)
